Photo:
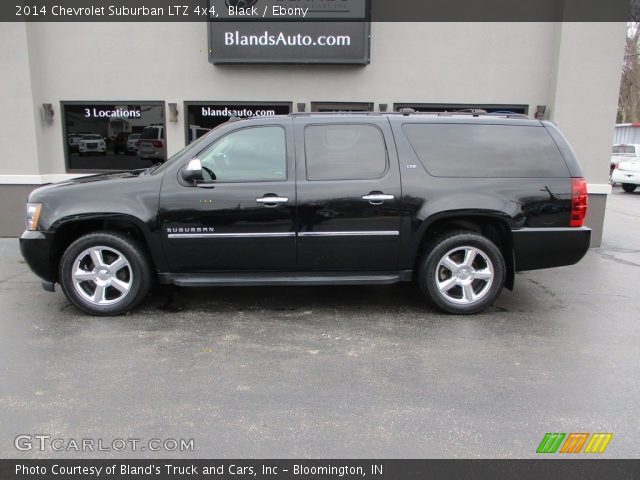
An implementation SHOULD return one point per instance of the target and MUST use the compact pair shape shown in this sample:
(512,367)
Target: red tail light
(157,143)
(579,201)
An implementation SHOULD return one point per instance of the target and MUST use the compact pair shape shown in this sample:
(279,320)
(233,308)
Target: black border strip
(381,11)
(547,469)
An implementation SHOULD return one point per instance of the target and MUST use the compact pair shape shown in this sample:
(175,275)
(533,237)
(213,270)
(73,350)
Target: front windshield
(91,137)
(187,152)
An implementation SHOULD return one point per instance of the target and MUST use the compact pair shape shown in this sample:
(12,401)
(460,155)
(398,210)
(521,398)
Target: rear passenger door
(349,196)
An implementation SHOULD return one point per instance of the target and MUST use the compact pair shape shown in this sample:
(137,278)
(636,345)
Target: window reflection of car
(196,131)
(247,155)
(627,174)
(132,141)
(74,142)
(92,143)
(151,143)
(623,153)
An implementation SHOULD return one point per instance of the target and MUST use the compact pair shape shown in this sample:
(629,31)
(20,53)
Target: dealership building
(169,83)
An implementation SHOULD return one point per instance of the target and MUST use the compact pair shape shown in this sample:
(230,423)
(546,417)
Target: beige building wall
(572,68)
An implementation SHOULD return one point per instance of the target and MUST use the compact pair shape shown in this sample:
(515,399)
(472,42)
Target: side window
(486,151)
(256,154)
(344,152)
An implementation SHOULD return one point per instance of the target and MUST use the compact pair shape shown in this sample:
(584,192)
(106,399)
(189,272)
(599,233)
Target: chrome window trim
(230,235)
(389,233)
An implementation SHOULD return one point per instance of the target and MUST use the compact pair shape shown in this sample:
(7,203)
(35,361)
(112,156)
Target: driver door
(241,217)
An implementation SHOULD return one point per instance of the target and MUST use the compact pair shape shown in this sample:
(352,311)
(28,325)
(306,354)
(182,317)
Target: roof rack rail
(306,114)
(475,112)
(472,111)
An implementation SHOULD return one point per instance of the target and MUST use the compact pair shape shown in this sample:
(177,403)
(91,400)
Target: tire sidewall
(134,255)
(447,243)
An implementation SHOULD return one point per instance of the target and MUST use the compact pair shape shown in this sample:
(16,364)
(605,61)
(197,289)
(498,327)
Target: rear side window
(154,133)
(490,151)
(624,149)
(344,152)
(150,133)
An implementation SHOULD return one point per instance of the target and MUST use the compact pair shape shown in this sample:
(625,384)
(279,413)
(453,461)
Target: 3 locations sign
(289,31)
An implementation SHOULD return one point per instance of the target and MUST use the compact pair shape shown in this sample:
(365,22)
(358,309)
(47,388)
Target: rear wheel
(462,272)
(629,187)
(105,273)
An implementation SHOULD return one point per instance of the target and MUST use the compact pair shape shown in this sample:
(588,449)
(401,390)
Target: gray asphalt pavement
(332,372)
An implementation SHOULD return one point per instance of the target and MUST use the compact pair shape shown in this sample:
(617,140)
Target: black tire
(488,261)
(629,187)
(136,273)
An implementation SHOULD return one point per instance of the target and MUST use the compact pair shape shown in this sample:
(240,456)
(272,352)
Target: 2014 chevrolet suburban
(456,202)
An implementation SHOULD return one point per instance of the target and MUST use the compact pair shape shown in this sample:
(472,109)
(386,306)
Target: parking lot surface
(332,372)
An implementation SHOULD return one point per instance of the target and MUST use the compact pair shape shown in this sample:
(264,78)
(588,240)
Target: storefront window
(456,107)
(203,116)
(341,107)
(113,136)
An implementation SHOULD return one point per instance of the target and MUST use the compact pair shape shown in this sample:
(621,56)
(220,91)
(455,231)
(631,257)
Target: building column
(585,100)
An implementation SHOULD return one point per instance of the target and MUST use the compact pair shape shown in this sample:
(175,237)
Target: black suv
(456,202)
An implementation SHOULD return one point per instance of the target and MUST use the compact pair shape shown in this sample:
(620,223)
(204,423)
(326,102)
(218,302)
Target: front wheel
(105,273)
(629,187)
(462,272)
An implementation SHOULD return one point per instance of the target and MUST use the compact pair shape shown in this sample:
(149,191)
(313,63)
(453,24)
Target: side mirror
(192,172)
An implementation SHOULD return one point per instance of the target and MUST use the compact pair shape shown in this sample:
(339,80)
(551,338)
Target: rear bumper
(36,250)
(624,176)
(536,248)
(156,154)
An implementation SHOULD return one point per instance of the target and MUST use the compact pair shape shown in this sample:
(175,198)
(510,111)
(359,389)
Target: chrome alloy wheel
(102,275)
(464,275)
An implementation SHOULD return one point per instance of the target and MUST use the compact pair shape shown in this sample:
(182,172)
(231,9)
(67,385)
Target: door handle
(272,201)
(377,198)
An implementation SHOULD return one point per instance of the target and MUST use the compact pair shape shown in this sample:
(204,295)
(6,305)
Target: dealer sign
(289,31)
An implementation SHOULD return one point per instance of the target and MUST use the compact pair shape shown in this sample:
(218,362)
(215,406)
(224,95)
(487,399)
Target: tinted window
(344,152)
(248,155)
(624,149)
(150,133)
(460,150)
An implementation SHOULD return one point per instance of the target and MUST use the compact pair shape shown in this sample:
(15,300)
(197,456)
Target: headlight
(33,215)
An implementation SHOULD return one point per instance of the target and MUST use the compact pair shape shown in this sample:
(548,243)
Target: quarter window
(344,152)
(486,151)
(255,154)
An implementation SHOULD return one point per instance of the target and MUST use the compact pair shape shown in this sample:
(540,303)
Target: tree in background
(629,100)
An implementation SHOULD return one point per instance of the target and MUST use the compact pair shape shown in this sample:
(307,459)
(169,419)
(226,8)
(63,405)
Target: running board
(286,278)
